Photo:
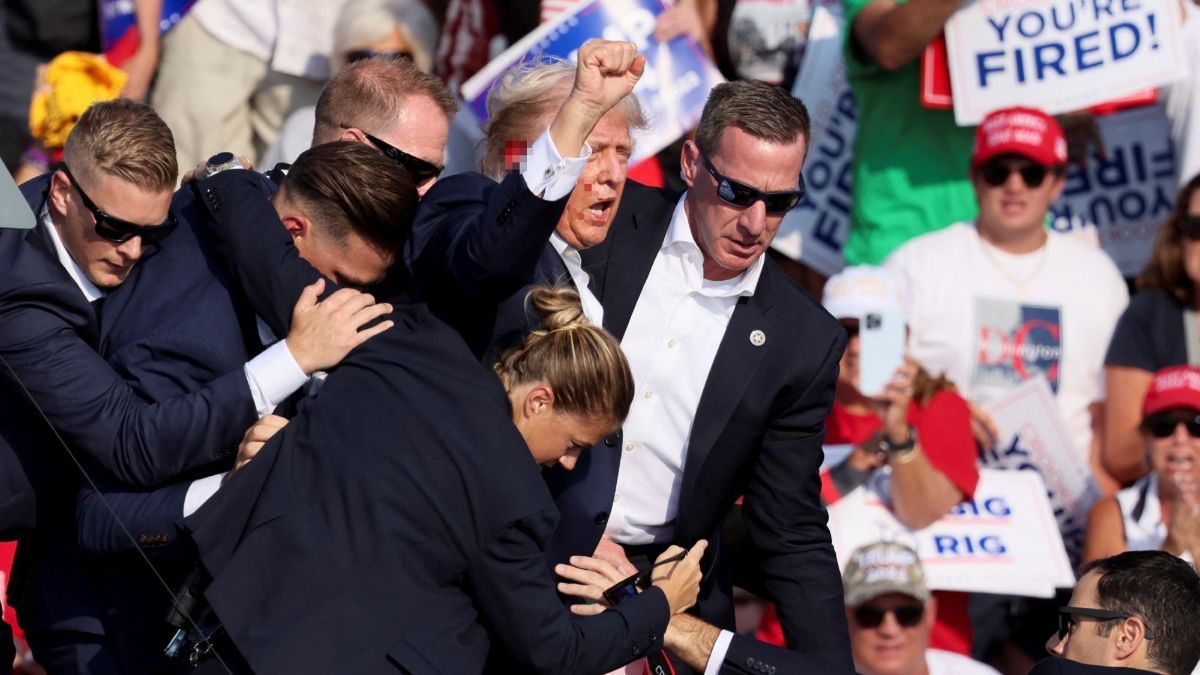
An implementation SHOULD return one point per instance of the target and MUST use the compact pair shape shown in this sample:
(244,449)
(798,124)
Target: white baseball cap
(861,289)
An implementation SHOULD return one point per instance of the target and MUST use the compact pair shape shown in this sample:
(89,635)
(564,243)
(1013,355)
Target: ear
(60,192)
(1056,188)
(352,134)
(689,162)
(1130,636)
(539,399)
(296,225)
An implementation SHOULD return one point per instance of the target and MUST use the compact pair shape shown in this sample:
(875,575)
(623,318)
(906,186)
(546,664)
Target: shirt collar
(681,242)
(89,289)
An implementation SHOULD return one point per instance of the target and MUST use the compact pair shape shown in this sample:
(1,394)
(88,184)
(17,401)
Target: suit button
(601,518)
(770,670)
(611,440)
(750,663)
(653,638)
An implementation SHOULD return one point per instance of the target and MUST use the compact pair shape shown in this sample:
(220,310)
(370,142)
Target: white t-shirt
(1182,98)
(970,318)
(948,663)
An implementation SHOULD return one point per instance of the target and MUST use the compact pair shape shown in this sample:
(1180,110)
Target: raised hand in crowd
(685,18)
(588,577)
(324,332)
(606,73)
(256,437)
(1183,528)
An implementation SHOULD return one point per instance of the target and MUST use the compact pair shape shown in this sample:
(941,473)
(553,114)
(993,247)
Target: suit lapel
(737,360)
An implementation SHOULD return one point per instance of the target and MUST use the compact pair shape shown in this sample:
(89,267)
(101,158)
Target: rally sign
(1004,540)
(672,91)
(1123,198)
(118,26)
(1059,55)
(816,230)
(1034,439)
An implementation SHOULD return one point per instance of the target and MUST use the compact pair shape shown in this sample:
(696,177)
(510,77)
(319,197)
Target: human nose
(754,218)
(1054,645)
(611,168)
(567,461)
(131,249)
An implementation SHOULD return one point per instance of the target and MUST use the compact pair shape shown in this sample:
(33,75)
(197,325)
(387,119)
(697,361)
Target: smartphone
(881,350)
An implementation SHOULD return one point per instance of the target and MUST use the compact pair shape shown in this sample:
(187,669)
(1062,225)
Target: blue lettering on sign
(992,506)
(968,545)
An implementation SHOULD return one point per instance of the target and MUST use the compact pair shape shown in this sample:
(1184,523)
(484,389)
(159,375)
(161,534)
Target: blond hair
(582,363)
(124,139)
(523,101)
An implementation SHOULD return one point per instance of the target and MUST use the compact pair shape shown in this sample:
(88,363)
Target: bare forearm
(691,640)
(920,493)
(895,34)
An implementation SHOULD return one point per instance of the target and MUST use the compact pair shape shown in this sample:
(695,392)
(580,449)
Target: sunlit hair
(582,363)
(370,95)
(124,139)
(762,110)
(1165,270)
(361,22)
(523,101)
(346,187)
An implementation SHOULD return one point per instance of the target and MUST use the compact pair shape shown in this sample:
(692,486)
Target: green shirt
(910,162)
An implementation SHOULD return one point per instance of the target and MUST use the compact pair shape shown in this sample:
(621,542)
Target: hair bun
(559,307)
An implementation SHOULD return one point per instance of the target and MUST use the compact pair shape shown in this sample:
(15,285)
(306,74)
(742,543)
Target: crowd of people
(304,371)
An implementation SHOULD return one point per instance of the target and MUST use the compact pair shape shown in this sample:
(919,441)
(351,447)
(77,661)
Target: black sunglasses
(1163,425)
(737,194)
(364,54)
(628,587)
(120,231)
(1191,227)
(906,615)
(1067,620)
(421,171)
(996,173)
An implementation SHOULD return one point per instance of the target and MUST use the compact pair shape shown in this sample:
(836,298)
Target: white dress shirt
(671,341)
(592,308)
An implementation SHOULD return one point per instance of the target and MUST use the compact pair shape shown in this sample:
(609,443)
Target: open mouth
(1178,461)
(600,211)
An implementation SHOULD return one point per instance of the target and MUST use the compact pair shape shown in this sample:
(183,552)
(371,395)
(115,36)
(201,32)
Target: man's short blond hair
(125,139)
(370,95)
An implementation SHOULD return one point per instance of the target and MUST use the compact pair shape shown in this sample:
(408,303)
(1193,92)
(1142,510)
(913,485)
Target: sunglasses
(996,174)
(120,231)
(1191,227)
(421,171)
(1162,426)
(1067,618)
(906,615)
(364,54)
(740,195)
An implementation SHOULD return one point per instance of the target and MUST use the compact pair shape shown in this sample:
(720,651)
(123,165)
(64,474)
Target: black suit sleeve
(151,516)
(747,656)
(518,603)
(260,252)
(787,524)
(96,412)
(481,237)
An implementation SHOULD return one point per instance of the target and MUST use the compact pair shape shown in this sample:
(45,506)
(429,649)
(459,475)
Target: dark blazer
(758,432)
(170,329)
(49,342)
(1060,666)
(385,530)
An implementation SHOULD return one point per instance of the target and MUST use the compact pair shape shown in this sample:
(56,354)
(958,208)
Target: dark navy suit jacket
(165,333)
(758,433)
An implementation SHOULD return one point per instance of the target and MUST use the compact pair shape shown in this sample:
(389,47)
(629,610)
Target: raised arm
(894,34)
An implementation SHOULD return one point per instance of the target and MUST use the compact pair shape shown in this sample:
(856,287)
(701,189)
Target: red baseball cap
(1174,387)
(1027,132)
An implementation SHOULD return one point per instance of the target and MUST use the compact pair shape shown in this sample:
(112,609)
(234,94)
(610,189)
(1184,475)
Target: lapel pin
(757,338)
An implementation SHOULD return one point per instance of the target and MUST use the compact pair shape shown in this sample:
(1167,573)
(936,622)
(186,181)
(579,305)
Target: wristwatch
(220,162)
(894,449)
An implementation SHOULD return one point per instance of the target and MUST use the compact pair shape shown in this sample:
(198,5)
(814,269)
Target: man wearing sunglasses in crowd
(734,367)
(1004,299)
(96,304)
(1135,612)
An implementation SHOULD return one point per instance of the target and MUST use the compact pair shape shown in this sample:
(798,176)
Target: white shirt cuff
(199,492)
(273,375)
(717,657)
(547,173)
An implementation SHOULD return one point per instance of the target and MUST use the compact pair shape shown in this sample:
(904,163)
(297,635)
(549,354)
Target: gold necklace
(1022,283)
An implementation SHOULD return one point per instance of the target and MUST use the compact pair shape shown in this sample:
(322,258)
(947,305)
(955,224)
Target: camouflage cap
(880,568)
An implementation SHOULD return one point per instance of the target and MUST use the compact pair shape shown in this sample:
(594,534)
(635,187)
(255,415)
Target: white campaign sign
(1123,198)
(1003,541)
(815,231)
(1034,439)
(1059,55)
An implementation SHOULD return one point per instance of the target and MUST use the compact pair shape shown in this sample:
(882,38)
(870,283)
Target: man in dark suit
(556,156)
(735,368)
(119,160)
(1134,612)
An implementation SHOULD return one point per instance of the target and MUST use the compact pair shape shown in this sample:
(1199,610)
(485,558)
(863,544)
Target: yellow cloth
(72,82)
